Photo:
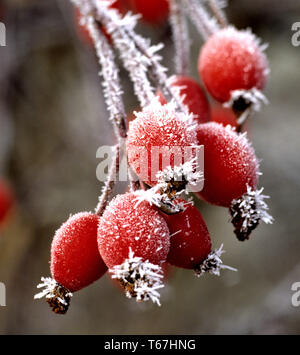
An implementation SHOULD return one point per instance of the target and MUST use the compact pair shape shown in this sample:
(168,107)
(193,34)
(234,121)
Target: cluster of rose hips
(143,229)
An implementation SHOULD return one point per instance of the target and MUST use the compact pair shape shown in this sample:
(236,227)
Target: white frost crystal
(213,264)
(187,172)
(141,279)
(56,295)
(248,210)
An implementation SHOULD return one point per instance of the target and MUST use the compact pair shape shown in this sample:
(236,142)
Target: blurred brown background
(53,118)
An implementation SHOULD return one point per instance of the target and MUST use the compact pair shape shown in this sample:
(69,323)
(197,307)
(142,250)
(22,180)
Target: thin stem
(110,183)
(157,72)
(180,37)
(111,83)
(134,62)
(216,8)
(139,57)
(205,24)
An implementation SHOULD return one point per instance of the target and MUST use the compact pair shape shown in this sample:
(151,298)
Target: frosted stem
(205,24)
(110,183)
(134,62)
(216,8)
(111,84)
(180,37)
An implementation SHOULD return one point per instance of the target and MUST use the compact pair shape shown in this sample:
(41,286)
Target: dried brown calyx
(57,296)
(140,279)
(213,264)
(247,212)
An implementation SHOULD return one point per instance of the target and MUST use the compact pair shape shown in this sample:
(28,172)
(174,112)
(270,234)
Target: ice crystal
(213,264)
(141,279)
(248,210)
(56,295)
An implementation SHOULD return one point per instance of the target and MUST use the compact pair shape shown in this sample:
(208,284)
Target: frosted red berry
(190,239)
(154,11)
(6,200)
(75,259)
(232,60)
(230,164)
(223,115)
(193,96)
(128,224)
(157,128)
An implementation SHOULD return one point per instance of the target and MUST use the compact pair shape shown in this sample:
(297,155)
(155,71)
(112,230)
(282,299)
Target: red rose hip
(230,164)
(134,241)
(75,260)
(231,173)
(157,131)
(232,63)
(190,246)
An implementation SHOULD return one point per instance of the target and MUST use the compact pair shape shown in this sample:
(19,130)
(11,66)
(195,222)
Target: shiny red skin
(192,244)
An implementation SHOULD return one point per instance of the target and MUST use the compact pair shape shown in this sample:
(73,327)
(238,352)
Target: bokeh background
(53,119)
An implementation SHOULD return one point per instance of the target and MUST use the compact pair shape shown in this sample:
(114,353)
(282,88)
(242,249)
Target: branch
(216,7)
(110,183)
(111,83)
(205,24)
(180,37)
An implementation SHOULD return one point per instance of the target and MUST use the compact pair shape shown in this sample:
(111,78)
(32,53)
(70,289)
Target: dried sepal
(140,279)
(174,181)
(243,102)
(57,295)
(247,212)
(213,264)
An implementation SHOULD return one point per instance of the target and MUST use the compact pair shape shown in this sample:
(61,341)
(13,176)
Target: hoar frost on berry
(168,111)
(213,264)
(248,210)
(141,279)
